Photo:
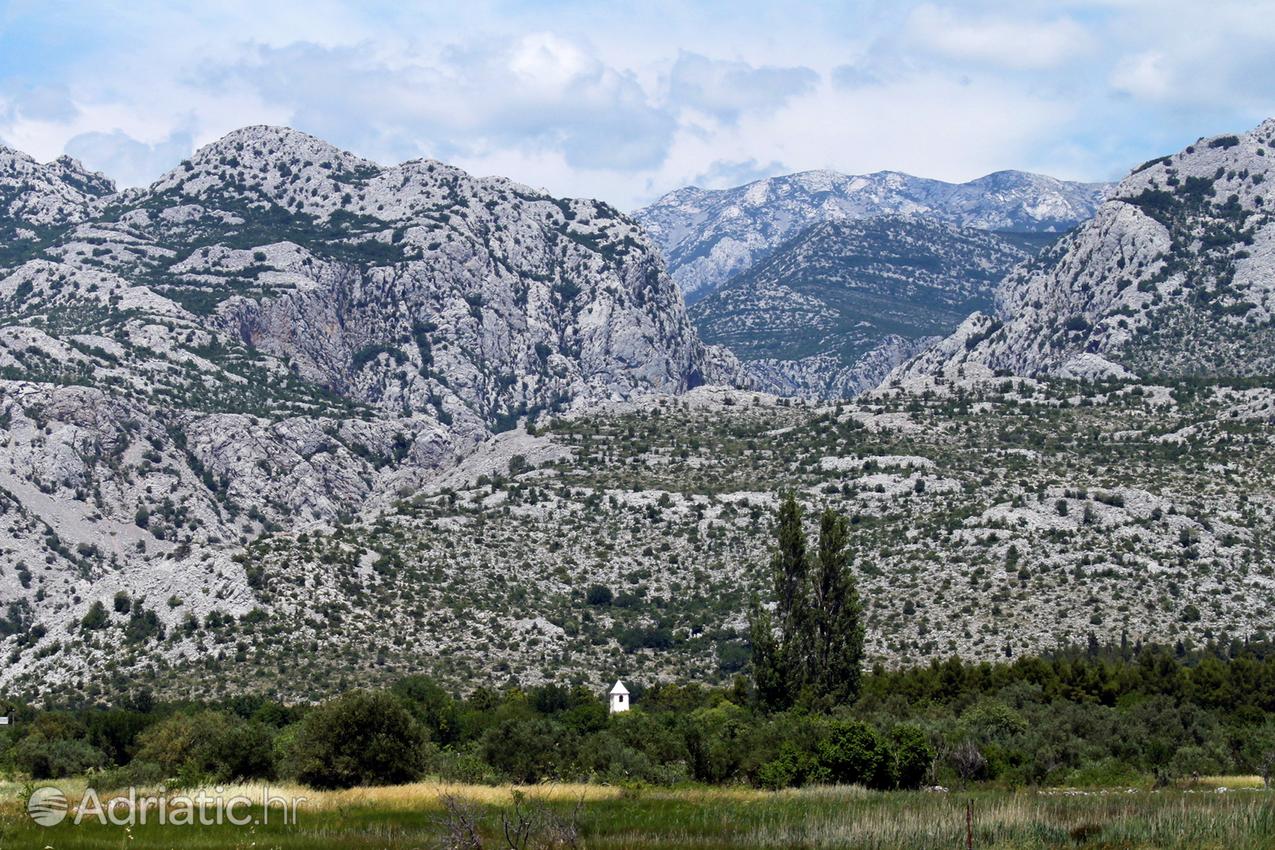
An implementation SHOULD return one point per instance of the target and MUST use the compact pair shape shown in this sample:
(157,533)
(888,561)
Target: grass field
(413,816)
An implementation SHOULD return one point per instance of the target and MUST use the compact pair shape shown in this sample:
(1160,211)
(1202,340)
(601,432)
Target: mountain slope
(1175,275)
(1014,517)
(709,236)
(831,311)
(36,199)
(278,334)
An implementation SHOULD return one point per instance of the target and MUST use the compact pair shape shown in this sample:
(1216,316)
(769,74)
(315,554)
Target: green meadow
(434,815)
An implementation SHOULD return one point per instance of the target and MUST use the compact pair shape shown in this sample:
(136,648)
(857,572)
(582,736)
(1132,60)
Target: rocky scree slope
(279,333)
(832,311)
(1174,276)
(710,236)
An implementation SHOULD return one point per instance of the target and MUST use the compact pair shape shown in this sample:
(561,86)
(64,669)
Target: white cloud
(728,89)
(723,174)
(1144,75)
(538,92)
(125,159)
(625,102)
(1019,44)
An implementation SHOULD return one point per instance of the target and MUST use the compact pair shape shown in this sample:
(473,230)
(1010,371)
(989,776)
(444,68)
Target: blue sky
(625,101)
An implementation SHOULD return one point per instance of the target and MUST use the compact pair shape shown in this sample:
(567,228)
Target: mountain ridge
(832,310)
(1172,277)
(279,334)
(709,236)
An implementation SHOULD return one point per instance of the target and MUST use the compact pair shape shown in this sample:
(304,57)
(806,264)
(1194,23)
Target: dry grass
(386,798)
(1233,782)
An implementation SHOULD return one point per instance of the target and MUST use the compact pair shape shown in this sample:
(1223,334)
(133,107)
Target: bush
(208,746)
(55,758)
(432,707)
(529,750)
(792,767)
(912,756)
(854,753)
(362,738)
(95,618)
(599,594)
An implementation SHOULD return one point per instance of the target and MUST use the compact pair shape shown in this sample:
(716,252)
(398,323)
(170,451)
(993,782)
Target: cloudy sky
(625,101)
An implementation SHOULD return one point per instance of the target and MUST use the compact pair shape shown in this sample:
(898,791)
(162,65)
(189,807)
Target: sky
(627,100)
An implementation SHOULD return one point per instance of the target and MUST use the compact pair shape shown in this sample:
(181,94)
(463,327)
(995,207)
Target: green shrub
(208,746)
(361,738)
(95,618)
(912,756)
(854,753)
(55,758)
(599,594)
(529,750)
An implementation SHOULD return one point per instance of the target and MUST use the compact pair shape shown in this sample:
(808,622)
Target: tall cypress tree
(769,682)
(837,616)
(812,647)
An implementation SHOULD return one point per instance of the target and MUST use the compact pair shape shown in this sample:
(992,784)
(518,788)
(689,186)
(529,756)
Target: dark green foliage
(836,621)
(855,753)
(143,625)
(362,738)
(208,746)
(95,618)
(55,747)
(812,647)
(528,749)
(432,706)
(1114,716)
(368,353)
(599,594)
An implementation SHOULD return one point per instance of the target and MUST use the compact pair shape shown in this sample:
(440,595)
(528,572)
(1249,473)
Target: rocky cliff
(1174,276)
(278,333)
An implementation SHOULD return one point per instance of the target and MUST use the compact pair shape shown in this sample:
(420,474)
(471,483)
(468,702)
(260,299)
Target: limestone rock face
(1174,276)
(279,334)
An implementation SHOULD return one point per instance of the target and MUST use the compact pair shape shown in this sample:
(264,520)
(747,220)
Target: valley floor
(429,815)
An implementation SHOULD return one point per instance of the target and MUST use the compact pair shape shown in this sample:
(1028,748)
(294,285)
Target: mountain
(278,333)
(710,236)
(1174,276)
(35,197)
(833,310)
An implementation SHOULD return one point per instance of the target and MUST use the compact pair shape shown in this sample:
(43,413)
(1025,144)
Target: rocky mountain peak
(35,195)
(1174,275)
(709,236)
(276,164)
